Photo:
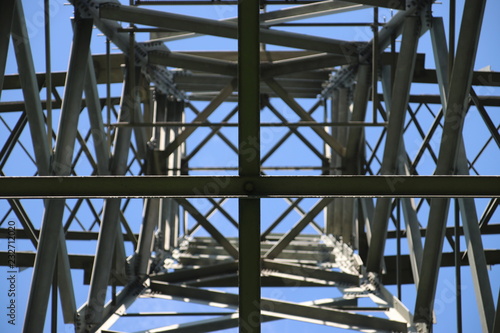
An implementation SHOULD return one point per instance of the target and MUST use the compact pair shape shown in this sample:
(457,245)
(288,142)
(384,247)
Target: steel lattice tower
(279,162)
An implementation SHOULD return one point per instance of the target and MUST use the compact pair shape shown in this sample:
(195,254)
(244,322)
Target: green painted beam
(241,187)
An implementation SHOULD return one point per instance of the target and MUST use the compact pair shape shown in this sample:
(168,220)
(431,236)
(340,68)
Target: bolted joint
(249,187)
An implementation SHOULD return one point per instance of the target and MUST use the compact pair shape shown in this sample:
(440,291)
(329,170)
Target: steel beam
(486,118)
(413,236)
(333,162)
(249,39)
(297,228)
(392,29)
(21,214)
(209,109)
(215,131)
(400,96)
(304,115)
(169,224)
(284,214)
(467,206)
(111,209)
(360,104)
(310,272)
(223,29)
(51,225)
(249,283)
(275,17)
(84,262)
(145,242)
(43,268)
(394,4)
(302,12)
(158,75)
(42,151)
(496,324)
(95,118)
(233,252)
(455,113)
(192,62)
(288,310)
(302,64)
(30,89)
(409,209)
(65,281)
(264,186)
(193,274)
(475,251)
(294,204)
(293,130)
(113,309)
(6,17)
(440,58)
(344,206)
(230,321)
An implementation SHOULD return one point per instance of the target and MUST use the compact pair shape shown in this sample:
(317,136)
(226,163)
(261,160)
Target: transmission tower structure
(249,164)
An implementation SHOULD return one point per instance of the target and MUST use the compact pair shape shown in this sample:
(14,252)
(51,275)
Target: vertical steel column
(170,208)
(249,163)
(352,162)
(455,114)
(160,142)
(375,64)
(399,104)
(347,220)
(6,11)
(48,249)
(458,275)
(467,206)
(161,164)
(140,132)
(360,102)
(53,314)
(334,165)
(338,112)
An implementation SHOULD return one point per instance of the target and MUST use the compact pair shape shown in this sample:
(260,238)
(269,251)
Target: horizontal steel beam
(82,261)
(394,4)
(201,92)
(224,67)
(240,187)
(488,229)
(224,29)
(312,272)
(308,313)
(309,10)
(192,62)
(12,81)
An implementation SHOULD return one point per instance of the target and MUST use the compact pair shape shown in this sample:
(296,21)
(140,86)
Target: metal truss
(280,165)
